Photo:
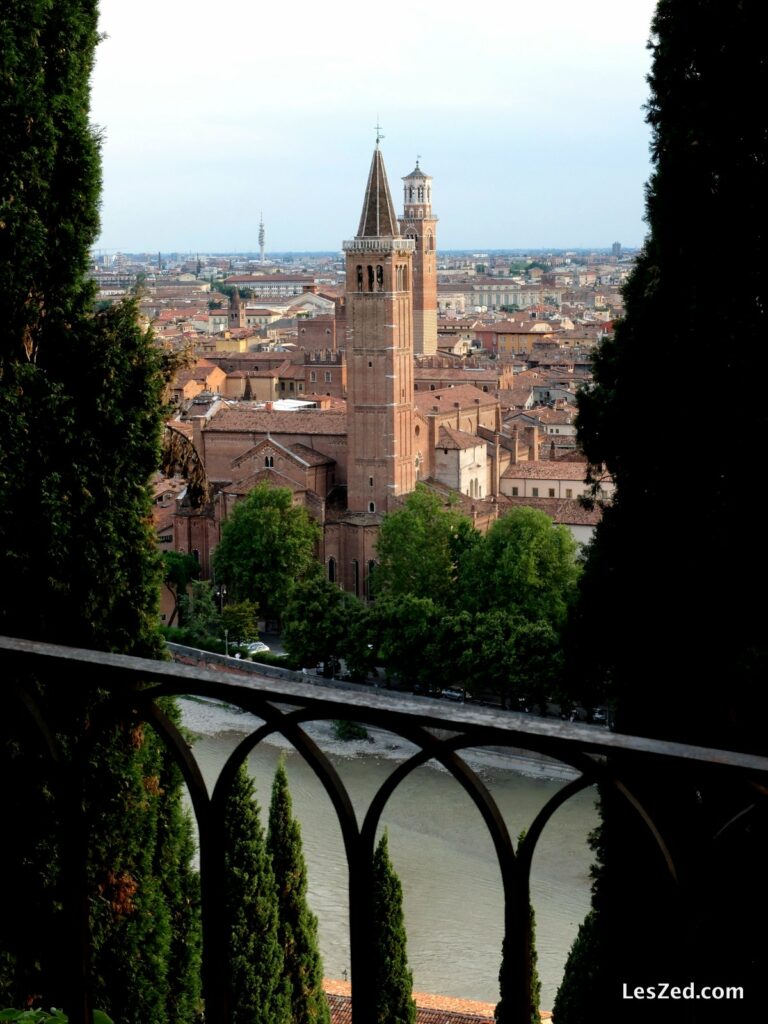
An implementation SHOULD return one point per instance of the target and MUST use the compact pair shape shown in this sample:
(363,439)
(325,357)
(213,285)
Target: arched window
(269,461)
(359,278)
(356,576)
(332,570)
(430,242)
(370,278)
(371,506)
(379,277)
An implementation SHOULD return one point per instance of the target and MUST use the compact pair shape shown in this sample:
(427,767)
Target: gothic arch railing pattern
(284,706)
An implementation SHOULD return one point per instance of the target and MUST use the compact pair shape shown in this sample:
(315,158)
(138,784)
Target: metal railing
(438,731)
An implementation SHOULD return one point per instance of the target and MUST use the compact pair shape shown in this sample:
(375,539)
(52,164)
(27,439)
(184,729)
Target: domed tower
(418,223)
(379,353)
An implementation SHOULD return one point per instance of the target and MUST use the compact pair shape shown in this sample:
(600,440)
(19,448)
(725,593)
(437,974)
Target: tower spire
(378,217)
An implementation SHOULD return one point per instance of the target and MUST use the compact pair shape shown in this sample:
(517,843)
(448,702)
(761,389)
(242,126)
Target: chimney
(515,451)
(533,452)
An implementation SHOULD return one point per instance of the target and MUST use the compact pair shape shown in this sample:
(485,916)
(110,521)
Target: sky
(528,116)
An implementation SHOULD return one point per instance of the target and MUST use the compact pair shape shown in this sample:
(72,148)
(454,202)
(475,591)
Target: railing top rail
(496,726)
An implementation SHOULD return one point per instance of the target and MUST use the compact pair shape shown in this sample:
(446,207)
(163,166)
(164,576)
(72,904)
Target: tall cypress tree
(394,981)
(298,925)
(80,419)
(665,619)
(259,990)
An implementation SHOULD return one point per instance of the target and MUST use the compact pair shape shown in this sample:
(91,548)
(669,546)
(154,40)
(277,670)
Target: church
(350,462)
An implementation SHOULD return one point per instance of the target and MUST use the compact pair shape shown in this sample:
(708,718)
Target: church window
(370,278)
(359,278)
(356,576)
(269,461)
(371,506)
(331,570)
(379,277)
(421,193)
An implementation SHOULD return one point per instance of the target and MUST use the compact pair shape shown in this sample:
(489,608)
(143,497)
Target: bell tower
(418,224)
(379,353)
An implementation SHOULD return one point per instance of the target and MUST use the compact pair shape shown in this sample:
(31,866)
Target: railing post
(361,933)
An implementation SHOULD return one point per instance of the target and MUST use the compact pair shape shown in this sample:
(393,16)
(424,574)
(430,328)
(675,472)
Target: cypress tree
(394,981)
(80,419)
(259,991)
(664,618)
(504,1013)
(298,925)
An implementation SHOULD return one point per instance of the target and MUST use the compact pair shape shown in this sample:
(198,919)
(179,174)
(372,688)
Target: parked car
(257,647)
(451,694)
(600,716)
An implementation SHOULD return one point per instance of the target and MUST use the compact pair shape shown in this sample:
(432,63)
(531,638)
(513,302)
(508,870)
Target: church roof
(378,218)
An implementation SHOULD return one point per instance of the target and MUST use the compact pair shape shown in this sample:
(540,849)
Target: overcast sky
(528,116)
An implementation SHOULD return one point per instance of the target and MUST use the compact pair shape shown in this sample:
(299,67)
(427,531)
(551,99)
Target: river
(439,848)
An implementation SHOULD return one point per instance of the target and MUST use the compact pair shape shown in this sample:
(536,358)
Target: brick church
(349,463)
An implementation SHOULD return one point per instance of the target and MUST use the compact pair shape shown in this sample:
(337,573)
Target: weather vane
(379,136)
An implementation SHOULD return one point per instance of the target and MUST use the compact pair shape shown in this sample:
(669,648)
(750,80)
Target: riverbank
(209,718)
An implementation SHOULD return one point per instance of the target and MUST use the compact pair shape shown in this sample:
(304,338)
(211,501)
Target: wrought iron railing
(438,731)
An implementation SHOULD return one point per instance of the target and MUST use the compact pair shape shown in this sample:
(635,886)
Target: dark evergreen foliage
(393,978)
(80,421)
(297,923)
(667,623)
(259,990)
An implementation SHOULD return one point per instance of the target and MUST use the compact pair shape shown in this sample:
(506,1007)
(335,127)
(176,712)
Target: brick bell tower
(379,353)
(418,223)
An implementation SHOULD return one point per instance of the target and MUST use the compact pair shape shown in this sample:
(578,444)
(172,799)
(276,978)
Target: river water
(438,845)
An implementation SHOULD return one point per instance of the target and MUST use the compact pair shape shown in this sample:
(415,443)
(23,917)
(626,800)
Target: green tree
(663,619)
(316,618)
(421,546)
(393,977)
(179,570)
(405,628)
(527,566)
(267,544)
(258,987)
(298,925)
(199,613)
(80,416)
(240,620)
(504,1013)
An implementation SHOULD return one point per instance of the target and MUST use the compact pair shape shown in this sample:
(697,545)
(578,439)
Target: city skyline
(534,134)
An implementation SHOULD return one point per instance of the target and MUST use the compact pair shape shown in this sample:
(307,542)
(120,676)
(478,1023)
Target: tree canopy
(420,547)
(267,544)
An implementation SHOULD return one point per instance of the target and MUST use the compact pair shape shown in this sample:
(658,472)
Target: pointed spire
(378,218)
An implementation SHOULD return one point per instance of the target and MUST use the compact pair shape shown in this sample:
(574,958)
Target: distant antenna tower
(261,235)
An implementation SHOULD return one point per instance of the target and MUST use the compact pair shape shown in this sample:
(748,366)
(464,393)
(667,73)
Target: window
(327,376)
(535,492)
(551,492)
(371,506)
(356,576)
(568,492)
(332,570)
(312,376)
(269,461)
(370,481)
